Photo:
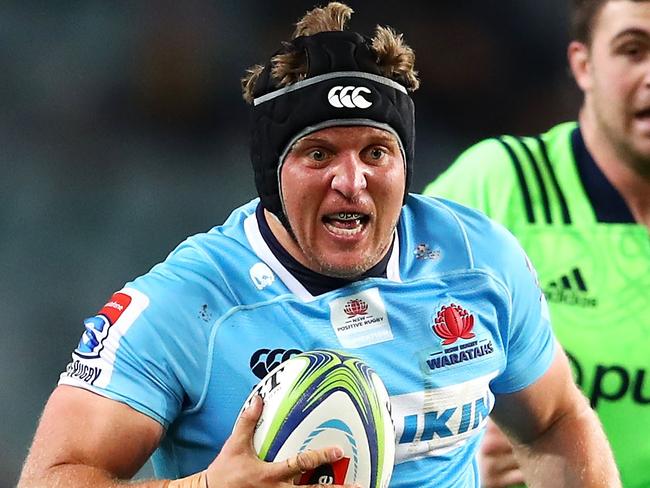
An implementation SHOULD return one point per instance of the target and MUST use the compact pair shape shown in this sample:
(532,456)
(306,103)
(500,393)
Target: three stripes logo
(543,197)
(570,289)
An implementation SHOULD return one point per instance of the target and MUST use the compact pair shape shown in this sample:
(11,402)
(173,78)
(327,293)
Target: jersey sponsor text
(459,354)
(434,421)
(82,371)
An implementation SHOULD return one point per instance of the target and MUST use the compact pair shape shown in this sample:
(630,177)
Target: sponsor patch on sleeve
(97,327)
(94,356)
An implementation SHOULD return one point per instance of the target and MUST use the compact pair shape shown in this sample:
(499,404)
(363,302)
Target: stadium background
(122,131)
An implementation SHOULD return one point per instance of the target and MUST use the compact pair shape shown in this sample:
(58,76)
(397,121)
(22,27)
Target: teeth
(348,216)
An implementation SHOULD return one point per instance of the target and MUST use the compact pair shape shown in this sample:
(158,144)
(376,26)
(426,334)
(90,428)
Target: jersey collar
(300,280)
(607,202)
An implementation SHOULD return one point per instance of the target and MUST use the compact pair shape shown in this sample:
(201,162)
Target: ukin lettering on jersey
(435,421)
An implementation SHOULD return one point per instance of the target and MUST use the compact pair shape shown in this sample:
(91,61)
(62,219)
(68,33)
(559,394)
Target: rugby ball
(323,398)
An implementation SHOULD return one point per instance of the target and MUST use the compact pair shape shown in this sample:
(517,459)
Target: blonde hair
(395,59)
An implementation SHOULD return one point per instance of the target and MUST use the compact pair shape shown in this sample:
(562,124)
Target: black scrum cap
(343,86)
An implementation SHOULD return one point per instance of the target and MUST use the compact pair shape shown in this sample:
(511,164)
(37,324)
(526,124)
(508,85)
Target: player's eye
(377,153)
(318,155)
(633,50)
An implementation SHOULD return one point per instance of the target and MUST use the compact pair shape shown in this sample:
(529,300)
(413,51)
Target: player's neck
(285,239)
(633,187)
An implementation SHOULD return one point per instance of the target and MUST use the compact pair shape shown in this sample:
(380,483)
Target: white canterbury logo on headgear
(340,97)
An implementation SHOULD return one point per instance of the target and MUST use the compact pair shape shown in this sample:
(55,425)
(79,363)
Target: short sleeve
(529,340)
(148,346)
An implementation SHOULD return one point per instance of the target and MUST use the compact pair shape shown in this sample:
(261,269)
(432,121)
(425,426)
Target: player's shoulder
(487,244)
(221,243)
(483,152)
(203,264)
(508,155)
(474,171)
(511,178)
(444,212)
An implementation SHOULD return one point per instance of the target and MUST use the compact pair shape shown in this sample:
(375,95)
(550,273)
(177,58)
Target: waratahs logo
(453,322)
(355,307)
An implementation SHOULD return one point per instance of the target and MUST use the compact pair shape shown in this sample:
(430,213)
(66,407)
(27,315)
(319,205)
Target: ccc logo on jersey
(349,97)
(264,360)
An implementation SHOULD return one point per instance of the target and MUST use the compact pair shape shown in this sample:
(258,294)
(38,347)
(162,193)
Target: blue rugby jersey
(458,318)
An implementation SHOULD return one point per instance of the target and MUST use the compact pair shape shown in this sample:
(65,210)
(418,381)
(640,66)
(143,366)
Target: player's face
(342,190)
(615,77)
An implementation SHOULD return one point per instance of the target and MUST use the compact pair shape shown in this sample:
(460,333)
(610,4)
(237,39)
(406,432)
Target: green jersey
(593,263)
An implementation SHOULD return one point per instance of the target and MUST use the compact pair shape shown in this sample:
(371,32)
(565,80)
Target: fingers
(245,426)
(241,439)
(500,472)
(499,468)
(504,480)
(507,480)
(499,463)
(238,450)
(495,441)
(307,460)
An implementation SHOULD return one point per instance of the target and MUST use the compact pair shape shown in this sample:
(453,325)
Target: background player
(454,328)
(578,199)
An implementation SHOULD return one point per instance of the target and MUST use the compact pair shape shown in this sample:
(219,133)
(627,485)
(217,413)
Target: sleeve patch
(93,359)
(97,327)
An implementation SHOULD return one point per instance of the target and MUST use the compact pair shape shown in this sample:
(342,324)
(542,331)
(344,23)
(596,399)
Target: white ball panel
(311,435)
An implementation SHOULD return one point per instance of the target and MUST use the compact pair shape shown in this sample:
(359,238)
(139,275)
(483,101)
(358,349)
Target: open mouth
(345,223)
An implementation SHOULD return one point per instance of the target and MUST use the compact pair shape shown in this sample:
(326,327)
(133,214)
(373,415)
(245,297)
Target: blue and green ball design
(327,372)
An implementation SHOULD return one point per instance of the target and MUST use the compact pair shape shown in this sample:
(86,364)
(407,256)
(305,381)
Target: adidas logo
(570,289)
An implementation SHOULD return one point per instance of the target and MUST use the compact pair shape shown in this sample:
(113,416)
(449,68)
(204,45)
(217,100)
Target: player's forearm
(574,452)
(75,475)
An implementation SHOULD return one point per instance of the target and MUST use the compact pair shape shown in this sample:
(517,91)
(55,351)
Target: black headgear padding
(343,86)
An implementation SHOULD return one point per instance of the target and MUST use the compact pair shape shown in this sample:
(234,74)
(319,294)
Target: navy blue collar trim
(315,283)
(606,201)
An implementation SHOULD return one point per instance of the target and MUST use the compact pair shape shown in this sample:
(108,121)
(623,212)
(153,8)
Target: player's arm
(84,439)
(557,438)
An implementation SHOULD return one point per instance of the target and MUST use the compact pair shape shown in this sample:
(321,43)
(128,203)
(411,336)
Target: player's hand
(237,465)
(499,468)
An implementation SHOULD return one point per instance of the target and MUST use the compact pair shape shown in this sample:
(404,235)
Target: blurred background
(122,131)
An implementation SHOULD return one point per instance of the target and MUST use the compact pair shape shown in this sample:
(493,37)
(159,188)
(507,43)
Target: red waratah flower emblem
(453,322)
(355,307)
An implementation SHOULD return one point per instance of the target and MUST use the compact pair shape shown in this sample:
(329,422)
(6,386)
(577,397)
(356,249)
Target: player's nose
(349,177)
